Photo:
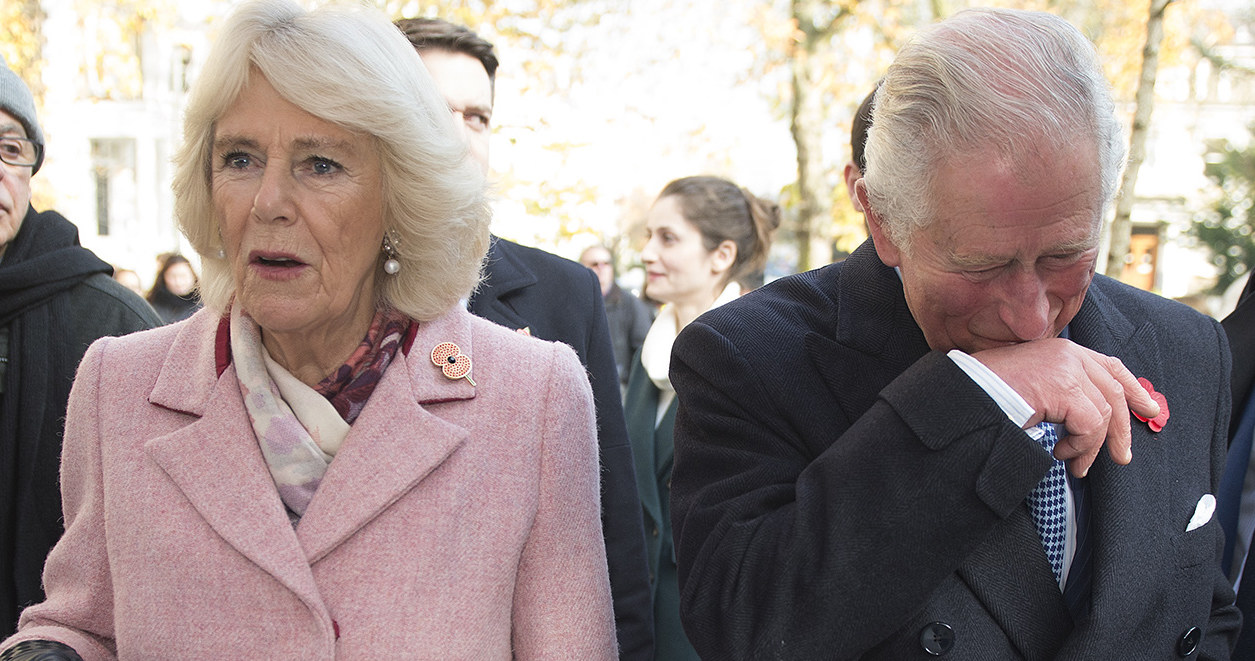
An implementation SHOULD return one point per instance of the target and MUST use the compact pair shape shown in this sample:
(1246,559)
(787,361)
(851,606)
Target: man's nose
(1025,306)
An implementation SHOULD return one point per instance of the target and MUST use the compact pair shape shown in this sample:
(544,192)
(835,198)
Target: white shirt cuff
(1010,401)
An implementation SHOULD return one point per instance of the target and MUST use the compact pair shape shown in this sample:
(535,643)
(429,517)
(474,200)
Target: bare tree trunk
(805,118)
(1122,224)
(806,123)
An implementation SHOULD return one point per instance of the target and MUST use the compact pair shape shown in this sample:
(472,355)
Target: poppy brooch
(1156,423)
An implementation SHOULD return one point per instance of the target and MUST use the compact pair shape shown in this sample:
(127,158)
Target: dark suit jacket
(559,300)
(1240,328)
(838,488)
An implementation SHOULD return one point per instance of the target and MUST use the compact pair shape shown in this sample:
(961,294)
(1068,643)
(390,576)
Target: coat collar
(504,274)
(216,463)
(875,337)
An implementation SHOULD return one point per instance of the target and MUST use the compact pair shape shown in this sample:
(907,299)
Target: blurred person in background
(56,298)
(129,279)
(173,294)
(1236,497)
(628,316)
(546,296)
(704,235)
(333,459)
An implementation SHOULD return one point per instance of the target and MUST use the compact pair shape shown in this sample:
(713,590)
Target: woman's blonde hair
(352,67)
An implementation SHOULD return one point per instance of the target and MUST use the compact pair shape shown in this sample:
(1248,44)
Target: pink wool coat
(456,522)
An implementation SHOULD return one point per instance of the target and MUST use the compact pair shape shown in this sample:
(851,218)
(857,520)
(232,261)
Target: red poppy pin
(1156,423)
(452,362)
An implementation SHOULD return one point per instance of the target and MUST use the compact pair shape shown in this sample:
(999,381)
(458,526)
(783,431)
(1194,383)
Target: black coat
(629,318)
(559,300)
(1240,328)
(840,491)
(56,298)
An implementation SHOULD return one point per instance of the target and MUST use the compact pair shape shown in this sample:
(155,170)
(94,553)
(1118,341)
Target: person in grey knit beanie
(16,99)
(56,298)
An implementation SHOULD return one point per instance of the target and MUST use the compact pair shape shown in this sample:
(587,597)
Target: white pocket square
(1202,512)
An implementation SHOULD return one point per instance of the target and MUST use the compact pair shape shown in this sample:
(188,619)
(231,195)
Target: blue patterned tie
(1048,504)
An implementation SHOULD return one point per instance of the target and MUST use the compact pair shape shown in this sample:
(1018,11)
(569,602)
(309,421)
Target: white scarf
(298,430)
(656,350)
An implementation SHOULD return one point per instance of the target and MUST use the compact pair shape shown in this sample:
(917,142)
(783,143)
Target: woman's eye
(323,166)
(237,160)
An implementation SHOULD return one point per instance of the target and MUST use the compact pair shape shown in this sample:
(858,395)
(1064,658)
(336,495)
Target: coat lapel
(503,275)
(876,338)
(394,443)
(640,405)
(1128,500)
(216,463)
(1011,576)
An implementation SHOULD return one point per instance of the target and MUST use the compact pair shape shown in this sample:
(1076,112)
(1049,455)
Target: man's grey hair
(985,79)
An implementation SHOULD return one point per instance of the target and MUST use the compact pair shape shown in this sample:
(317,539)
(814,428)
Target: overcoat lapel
(876,340)
(640,405)
(1011,576)
(505,275)
(1128,500)
(394,443)
(664,440)
(216,463)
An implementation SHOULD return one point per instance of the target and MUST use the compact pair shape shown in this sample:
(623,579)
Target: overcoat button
(1189,642)
(937,638)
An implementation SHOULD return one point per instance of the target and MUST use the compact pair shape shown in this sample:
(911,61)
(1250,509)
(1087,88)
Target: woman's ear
(723,257)
(886,249)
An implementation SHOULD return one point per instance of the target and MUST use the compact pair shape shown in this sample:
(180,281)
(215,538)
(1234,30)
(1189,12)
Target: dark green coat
(652,450)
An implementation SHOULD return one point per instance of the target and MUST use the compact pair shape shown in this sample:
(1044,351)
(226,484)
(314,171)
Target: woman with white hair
(333,458)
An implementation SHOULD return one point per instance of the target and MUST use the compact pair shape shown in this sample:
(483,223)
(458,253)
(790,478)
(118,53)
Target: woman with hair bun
(707,237)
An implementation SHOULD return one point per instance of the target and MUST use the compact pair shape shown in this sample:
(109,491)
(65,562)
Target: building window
(113,169)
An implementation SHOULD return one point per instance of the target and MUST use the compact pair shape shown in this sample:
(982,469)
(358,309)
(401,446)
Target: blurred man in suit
(629,317)
(553,299)
(1236,509)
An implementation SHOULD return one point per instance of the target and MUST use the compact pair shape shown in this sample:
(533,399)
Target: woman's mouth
(274,265)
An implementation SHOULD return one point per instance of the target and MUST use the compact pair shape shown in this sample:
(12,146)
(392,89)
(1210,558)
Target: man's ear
(723,257)
(852,175)
(886,249)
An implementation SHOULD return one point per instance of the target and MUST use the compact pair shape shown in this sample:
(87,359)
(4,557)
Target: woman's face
(300,207)
(678,267)
(179,279)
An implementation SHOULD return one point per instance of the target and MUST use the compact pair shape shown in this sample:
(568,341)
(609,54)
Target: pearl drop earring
(390,265)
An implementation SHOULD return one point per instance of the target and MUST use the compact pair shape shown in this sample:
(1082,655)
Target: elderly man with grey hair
(960,441)
(56,297)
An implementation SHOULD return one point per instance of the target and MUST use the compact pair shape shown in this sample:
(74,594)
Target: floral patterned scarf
(299,429)
(351,384)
